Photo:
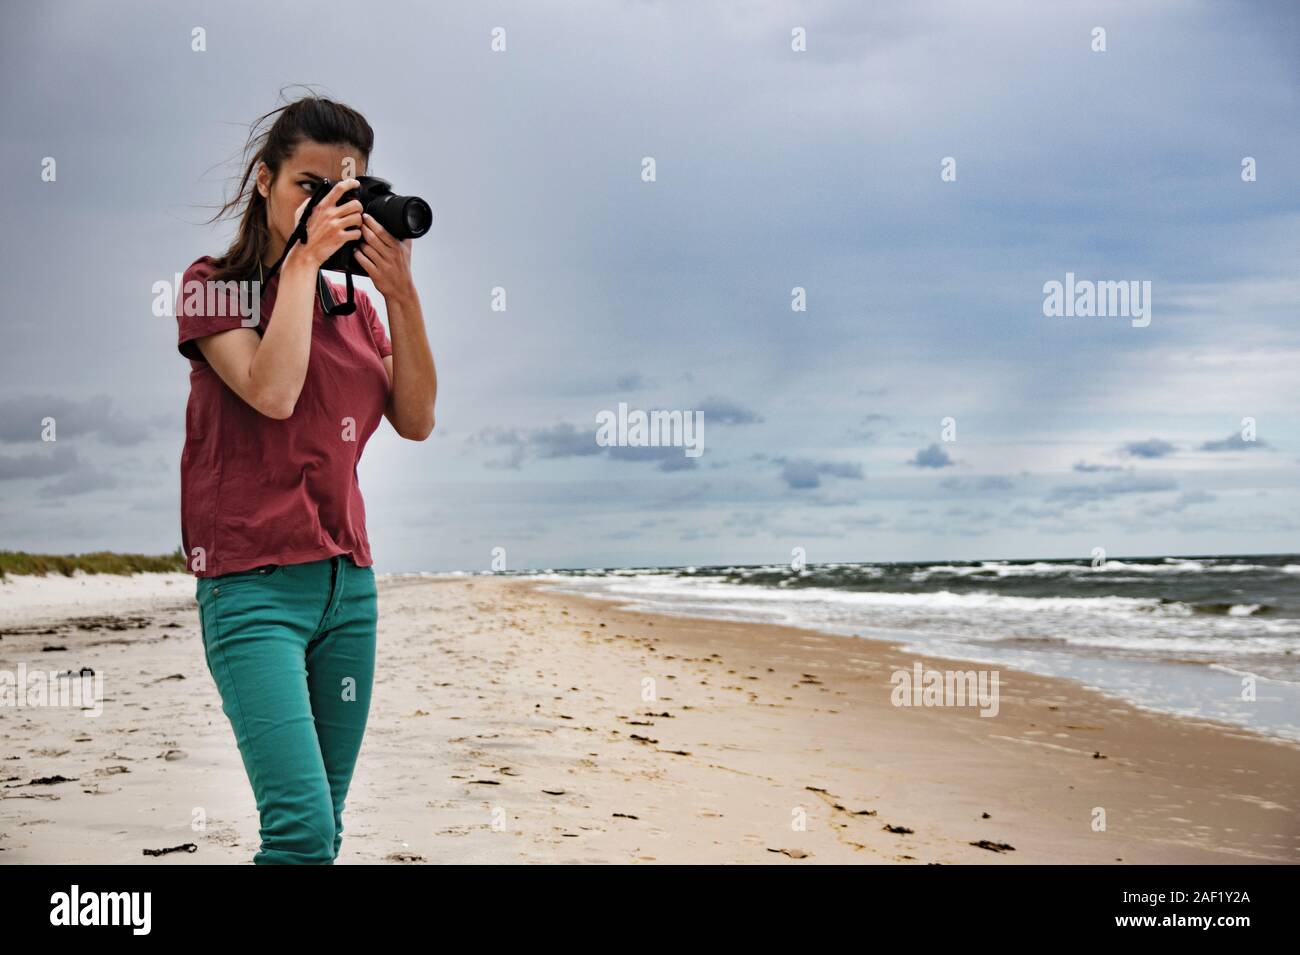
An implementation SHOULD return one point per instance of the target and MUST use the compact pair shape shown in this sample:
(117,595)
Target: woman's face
(293,185)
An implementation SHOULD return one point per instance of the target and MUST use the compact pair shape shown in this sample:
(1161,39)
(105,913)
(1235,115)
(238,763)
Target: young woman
(272,521)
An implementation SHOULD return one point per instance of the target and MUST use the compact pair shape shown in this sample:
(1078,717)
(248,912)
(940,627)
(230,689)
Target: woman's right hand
(330,224)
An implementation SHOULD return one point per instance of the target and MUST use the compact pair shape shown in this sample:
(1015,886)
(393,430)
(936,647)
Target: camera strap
(345,308)
(300,235)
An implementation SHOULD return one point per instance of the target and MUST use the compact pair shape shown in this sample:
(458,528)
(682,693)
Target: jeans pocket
(241,577)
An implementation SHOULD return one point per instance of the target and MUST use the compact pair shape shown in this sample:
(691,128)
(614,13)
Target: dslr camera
(404,217)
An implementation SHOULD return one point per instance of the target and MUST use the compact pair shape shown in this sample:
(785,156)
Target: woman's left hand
(386,260)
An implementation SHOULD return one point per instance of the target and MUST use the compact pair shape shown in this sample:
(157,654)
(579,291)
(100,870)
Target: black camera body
(404,217)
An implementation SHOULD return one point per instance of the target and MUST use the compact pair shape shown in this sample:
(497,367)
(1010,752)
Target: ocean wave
(719,589)
(1262,678)
(1232,610)
(992,568)
(1145,624)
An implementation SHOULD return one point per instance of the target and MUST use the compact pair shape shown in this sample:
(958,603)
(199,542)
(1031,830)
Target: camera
(404,217)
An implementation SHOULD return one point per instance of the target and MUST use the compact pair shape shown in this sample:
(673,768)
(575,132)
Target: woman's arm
(412,377)
(268,372)
(411,370)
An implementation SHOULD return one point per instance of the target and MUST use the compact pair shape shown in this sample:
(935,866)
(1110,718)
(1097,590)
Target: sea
(1210,637)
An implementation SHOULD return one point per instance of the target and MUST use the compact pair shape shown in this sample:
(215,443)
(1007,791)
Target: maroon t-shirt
(256,490)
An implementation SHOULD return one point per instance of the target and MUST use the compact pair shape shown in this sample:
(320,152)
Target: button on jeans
(292,651)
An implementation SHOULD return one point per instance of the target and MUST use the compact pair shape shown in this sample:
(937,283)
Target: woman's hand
(386,260)
(330,224)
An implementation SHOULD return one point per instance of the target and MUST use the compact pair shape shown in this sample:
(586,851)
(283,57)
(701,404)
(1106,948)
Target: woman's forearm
(415,379)
(279,366)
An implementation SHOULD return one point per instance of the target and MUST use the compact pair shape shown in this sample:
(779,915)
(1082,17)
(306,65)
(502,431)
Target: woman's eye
(307,186)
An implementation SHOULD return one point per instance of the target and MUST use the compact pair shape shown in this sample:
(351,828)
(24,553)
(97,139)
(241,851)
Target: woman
(273,525)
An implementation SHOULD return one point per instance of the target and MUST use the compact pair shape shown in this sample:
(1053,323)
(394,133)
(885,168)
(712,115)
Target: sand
(515,725)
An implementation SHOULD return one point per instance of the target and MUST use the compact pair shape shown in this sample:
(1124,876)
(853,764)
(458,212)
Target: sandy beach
(516,725)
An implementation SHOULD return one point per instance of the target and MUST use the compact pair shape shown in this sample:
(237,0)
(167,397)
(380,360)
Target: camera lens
(417,215)
(405,217)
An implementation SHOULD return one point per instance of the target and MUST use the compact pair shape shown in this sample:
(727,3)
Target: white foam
(1142,625)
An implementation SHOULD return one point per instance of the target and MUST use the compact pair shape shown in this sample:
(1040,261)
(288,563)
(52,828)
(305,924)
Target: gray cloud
(1129,484)
(58,459)
(988,482)
(566,440)
(932,457)
(563,441)
(864,434)
(667,458)
(21,417)
(1234,442)
(723,411)
(1150,448)
(804,474)
(85,479)
(511,440)
(1181,503)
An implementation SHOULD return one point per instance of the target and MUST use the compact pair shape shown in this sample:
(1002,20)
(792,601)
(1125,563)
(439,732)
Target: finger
(340,187)
(385,237)
(368,263)
(382,248)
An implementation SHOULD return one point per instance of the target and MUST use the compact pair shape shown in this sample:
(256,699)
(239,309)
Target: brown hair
(310,118)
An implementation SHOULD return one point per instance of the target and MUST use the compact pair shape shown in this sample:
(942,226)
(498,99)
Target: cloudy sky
(775,169)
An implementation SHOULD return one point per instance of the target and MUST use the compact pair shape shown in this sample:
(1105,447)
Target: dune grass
(101,562)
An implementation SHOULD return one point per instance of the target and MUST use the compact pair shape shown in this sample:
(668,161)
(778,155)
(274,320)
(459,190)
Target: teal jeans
(291,648)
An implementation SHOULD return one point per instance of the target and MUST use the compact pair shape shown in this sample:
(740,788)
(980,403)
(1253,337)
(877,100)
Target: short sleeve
(205,307)
(377,332)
